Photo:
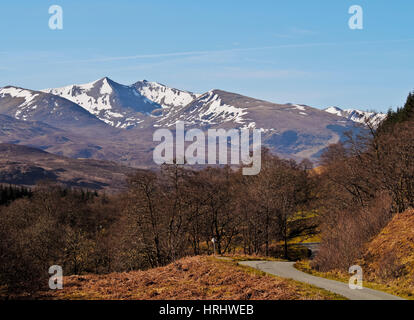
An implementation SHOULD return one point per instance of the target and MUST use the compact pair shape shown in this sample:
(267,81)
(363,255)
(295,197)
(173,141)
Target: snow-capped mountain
(24,104)
(290,130)
(363,117)
(165,96)
(118,105)
(206,110)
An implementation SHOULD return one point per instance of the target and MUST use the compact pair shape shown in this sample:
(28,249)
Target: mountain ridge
(164,102)
(117,105)
(127,118)
(359,116)
(25,104)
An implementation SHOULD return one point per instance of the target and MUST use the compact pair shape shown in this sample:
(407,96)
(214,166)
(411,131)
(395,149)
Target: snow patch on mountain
(165,96)
(218,111)
(81,95)
(299,107)
(15,92)
(363,117)
(106,88)
(117,105)
(208,109)
(28,103)
(335,110)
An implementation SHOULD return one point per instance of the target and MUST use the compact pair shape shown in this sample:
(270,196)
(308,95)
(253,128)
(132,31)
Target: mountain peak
(104,79)
(163,95)
(118,105)
(334,110)
(218,91)
(25,104)
(355,115)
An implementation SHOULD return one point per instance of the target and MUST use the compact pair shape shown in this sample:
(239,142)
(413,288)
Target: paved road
(287,270)
(312,246)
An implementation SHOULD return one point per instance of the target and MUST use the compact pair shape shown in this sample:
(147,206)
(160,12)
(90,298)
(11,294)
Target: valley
(21,165)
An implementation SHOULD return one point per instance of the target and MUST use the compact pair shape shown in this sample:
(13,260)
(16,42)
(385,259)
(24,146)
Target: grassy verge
(276,253)
(304,266)
(238,258)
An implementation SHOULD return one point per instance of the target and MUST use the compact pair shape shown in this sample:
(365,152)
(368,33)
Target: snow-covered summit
(363,117)
(116,104)
(124,106)
(30,105)
(163,95)
(208,109)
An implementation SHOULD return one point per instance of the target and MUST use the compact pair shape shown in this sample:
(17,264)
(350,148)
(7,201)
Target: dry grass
(194,278)
(389,258)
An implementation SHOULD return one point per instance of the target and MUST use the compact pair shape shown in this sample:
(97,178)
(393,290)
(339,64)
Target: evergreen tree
(401,115)
(10,193)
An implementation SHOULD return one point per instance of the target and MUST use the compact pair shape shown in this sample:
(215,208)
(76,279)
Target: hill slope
(163,95)
(389,258)
(195,278)
(22,165)
(13,130)
(292,131)
(24,104)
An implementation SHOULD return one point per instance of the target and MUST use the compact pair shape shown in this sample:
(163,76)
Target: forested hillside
(363,184)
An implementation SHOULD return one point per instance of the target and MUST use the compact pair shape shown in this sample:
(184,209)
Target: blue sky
(296,51)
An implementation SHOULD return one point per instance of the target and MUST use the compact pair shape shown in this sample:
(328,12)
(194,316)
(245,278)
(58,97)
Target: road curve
(288,271)
(313,247)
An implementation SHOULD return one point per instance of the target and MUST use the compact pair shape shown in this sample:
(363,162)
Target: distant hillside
(289,130)
(13,130)
(27,166)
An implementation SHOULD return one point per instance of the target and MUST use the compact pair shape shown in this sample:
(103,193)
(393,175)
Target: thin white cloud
(192,54)
(237,73)
(301,31)
(295,32)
